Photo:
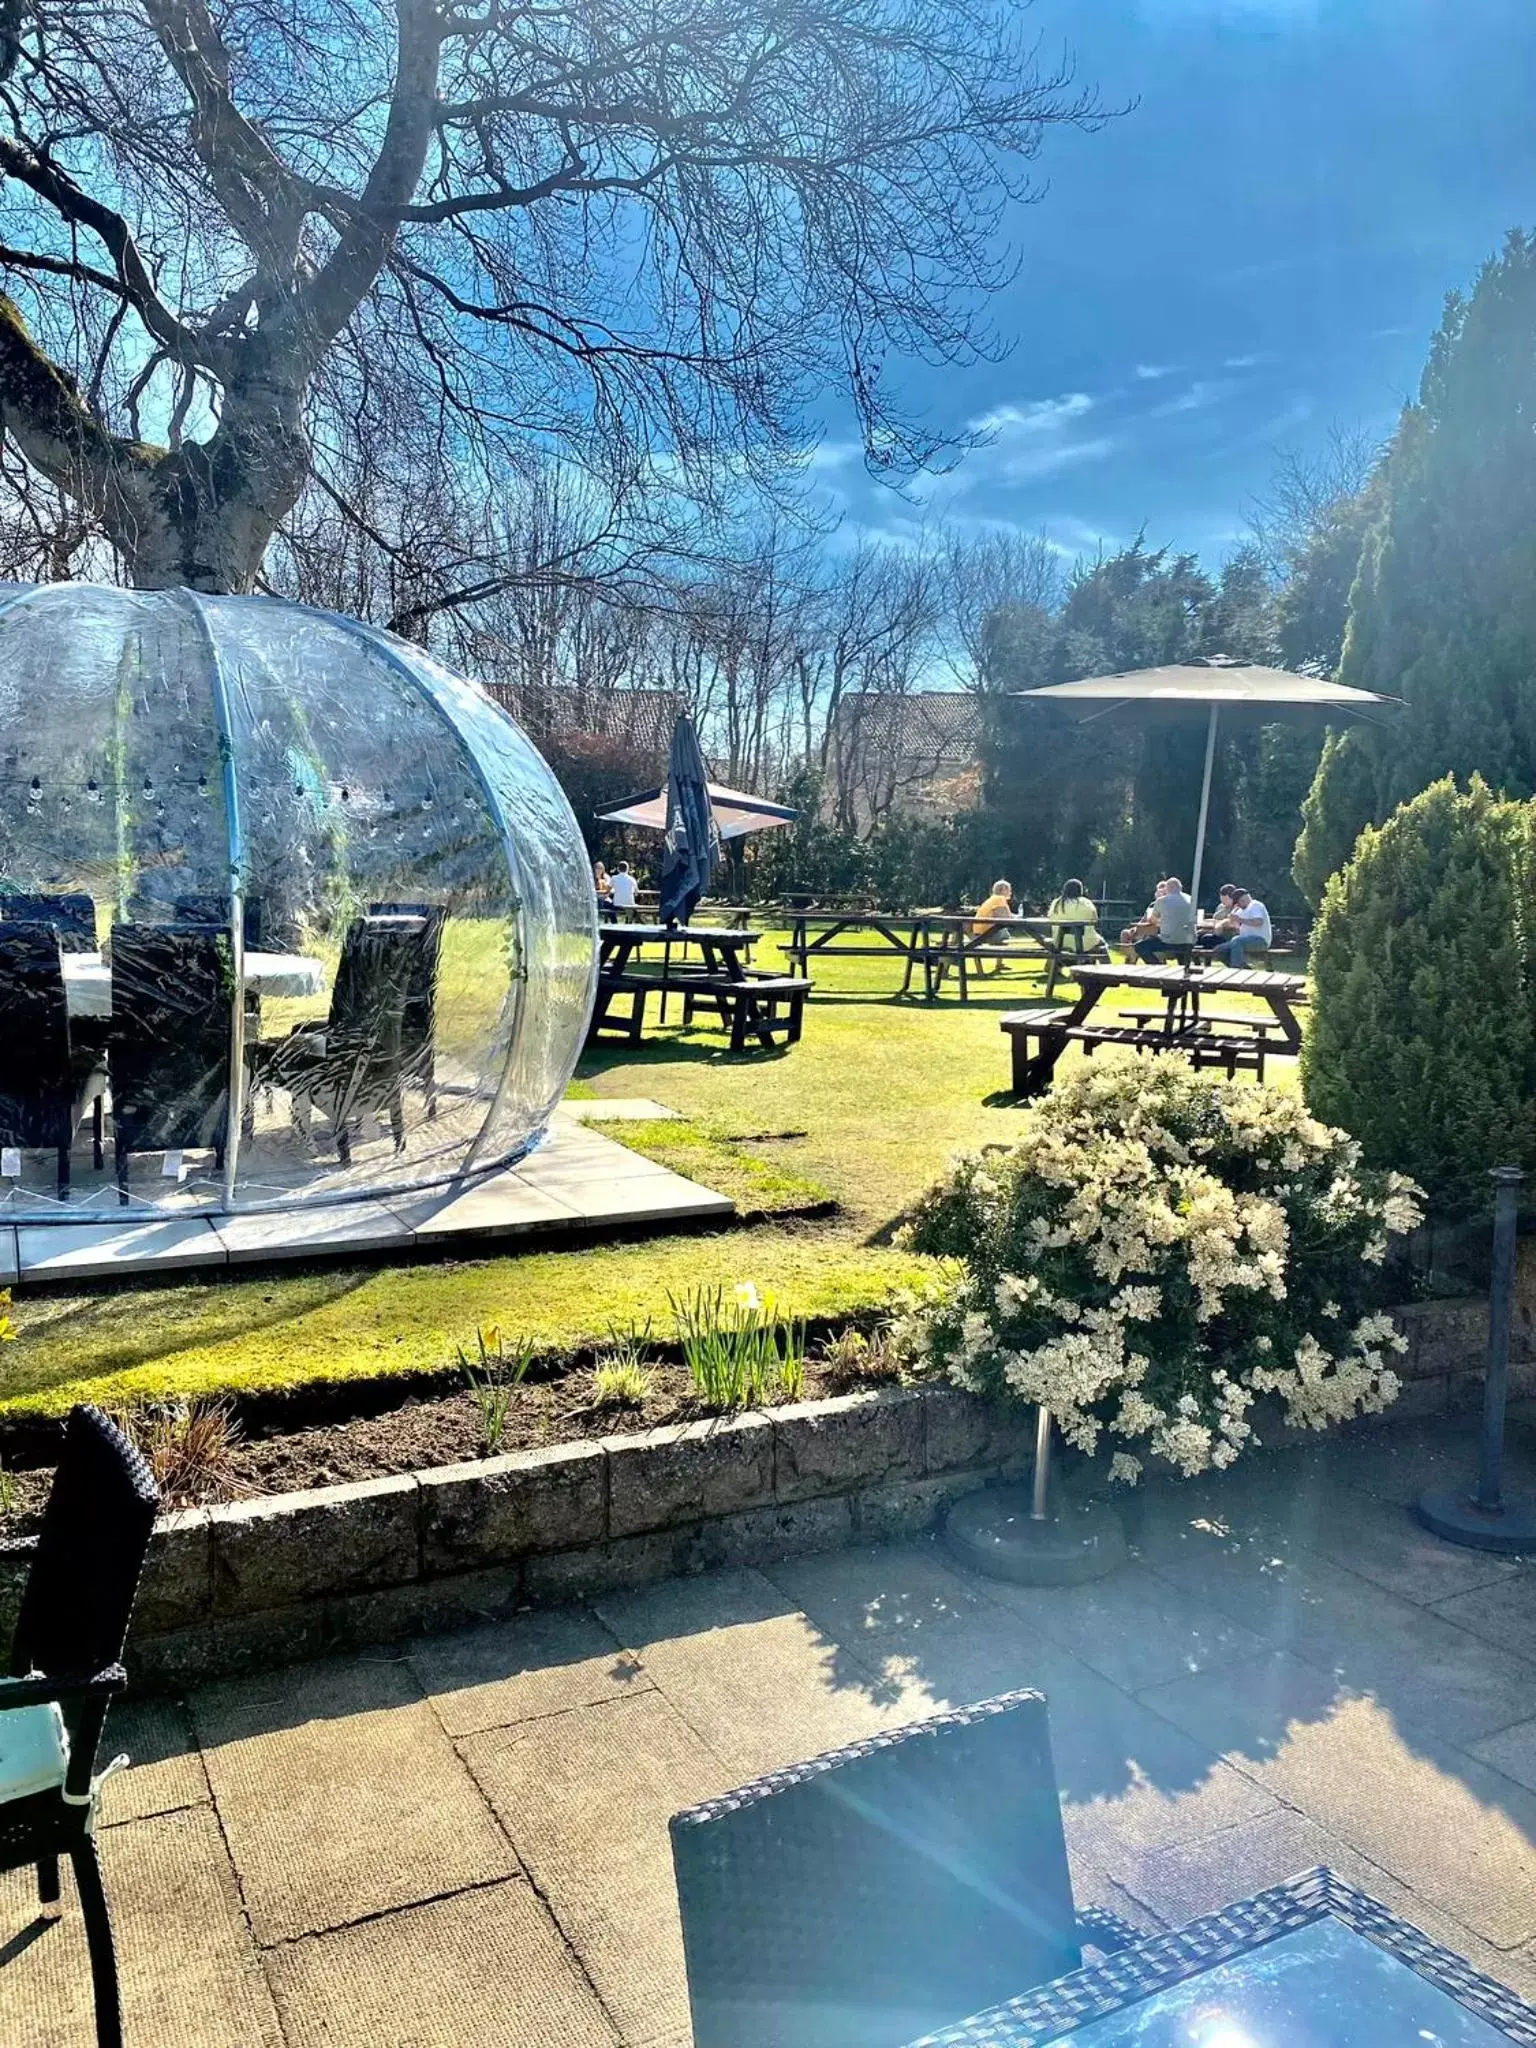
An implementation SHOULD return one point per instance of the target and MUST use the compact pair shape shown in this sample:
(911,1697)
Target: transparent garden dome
(288,912)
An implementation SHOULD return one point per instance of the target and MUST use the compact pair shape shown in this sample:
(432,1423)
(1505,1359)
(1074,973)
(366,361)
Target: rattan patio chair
(880,1891)
(66,1670)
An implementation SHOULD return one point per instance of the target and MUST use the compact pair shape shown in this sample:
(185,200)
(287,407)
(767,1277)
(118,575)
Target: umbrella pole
(1205,805)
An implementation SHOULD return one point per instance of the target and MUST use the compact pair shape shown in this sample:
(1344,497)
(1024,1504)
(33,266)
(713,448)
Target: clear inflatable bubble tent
(288,912)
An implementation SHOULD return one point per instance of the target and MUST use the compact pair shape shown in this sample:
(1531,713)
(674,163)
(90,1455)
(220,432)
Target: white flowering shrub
(1158,1250)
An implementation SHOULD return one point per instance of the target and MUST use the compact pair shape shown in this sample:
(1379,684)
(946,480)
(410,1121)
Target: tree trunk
(202,515)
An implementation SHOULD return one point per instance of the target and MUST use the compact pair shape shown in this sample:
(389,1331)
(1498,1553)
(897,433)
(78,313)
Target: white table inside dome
(88,979)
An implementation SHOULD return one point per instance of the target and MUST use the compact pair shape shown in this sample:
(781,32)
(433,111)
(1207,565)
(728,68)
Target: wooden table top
(1256,981)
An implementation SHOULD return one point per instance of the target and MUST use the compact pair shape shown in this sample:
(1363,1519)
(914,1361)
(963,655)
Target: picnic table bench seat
(767,1007)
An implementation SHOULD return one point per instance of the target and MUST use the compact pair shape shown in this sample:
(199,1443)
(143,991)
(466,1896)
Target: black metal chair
(418,1027)
(47,1081)
(72,916)
(168,1050)
(368,1046)
(214,910)
(878,1892)
(65,1671)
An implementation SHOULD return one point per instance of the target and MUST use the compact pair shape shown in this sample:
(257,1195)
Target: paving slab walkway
(463,1841)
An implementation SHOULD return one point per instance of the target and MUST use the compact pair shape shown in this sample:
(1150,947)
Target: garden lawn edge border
(270,1581)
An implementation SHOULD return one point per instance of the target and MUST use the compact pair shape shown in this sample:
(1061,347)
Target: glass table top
(1323,1986)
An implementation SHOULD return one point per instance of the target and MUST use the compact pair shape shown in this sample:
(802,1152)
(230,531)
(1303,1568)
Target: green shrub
(1159,1249)
(1420,1042)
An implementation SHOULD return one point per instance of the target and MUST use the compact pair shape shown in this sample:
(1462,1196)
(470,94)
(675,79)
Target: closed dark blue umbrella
(692,843)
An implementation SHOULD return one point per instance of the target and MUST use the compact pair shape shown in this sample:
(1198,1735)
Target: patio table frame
(928,941)
(1182,1029)
(1053,2012)
(725,953)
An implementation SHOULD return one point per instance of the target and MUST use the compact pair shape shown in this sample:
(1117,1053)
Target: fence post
(1483,1519)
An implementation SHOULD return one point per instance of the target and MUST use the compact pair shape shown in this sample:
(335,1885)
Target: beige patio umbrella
(1270,693)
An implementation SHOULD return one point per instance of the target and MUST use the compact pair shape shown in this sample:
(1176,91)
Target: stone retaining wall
(294,1575)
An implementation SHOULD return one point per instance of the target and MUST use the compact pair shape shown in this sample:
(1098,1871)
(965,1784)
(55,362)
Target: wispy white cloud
(1035,438)
(1148,373)
(1198,397)
(1251,362)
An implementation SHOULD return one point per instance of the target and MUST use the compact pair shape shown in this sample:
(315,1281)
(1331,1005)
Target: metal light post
(1483,1519)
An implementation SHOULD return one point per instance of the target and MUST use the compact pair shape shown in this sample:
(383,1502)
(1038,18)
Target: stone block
(497,1509)
(227,1649)
(15,1563)
(669,1477)
(833,1446)
(964,1432)
(1445,1337)
(1427,1396)
(555,1578)
(176,1590)
(305,1546)
(907,1507)
(426,1607)
(764,1535)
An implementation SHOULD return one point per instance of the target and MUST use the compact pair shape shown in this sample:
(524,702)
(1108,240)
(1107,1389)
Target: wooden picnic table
(1185,1024)
(764,1007)
(930,943)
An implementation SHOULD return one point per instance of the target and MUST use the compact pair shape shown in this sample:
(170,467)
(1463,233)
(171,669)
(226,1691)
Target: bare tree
(643,231)
(1306,486)
(980,573)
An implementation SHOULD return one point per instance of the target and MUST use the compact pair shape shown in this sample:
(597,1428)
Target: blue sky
(1259,249)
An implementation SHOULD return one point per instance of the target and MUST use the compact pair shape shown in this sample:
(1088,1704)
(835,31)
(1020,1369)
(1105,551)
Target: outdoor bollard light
(1482,1518)
(1017,1533)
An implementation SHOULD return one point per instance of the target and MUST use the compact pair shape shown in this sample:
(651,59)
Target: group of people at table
(1170,928)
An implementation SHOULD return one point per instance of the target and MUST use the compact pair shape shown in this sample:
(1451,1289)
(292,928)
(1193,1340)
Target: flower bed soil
(276,1453)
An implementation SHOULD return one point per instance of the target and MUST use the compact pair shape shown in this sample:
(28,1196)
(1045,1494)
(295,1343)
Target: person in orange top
(998,909)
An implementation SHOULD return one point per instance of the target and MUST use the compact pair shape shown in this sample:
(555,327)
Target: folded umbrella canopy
(1269,694)
(692,843)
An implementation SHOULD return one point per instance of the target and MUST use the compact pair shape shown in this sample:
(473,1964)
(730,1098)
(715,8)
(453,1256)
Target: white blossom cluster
(1157,1251)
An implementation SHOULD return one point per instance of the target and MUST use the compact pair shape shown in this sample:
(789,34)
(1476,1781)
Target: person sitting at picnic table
(1075,921)
(1244,931)
(1168,930)
(996,910)
(623,890)
(1217,929)
(602,885)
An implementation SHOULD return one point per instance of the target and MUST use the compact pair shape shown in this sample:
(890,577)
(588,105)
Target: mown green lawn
(879,1095)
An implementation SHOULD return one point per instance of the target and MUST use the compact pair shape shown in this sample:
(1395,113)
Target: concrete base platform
(577,1180)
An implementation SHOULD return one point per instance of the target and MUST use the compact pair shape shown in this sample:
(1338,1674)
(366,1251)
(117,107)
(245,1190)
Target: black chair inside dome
(873,1894)
(72,915)
(418,1027)
(361,1057)
(214,910)
(65,1671)
(47,1080)
(168,1049)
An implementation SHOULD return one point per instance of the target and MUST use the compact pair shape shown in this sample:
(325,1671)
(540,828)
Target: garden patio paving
(463,1841)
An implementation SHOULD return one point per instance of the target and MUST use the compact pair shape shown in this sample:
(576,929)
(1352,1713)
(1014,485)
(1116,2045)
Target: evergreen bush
(1421,1041)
